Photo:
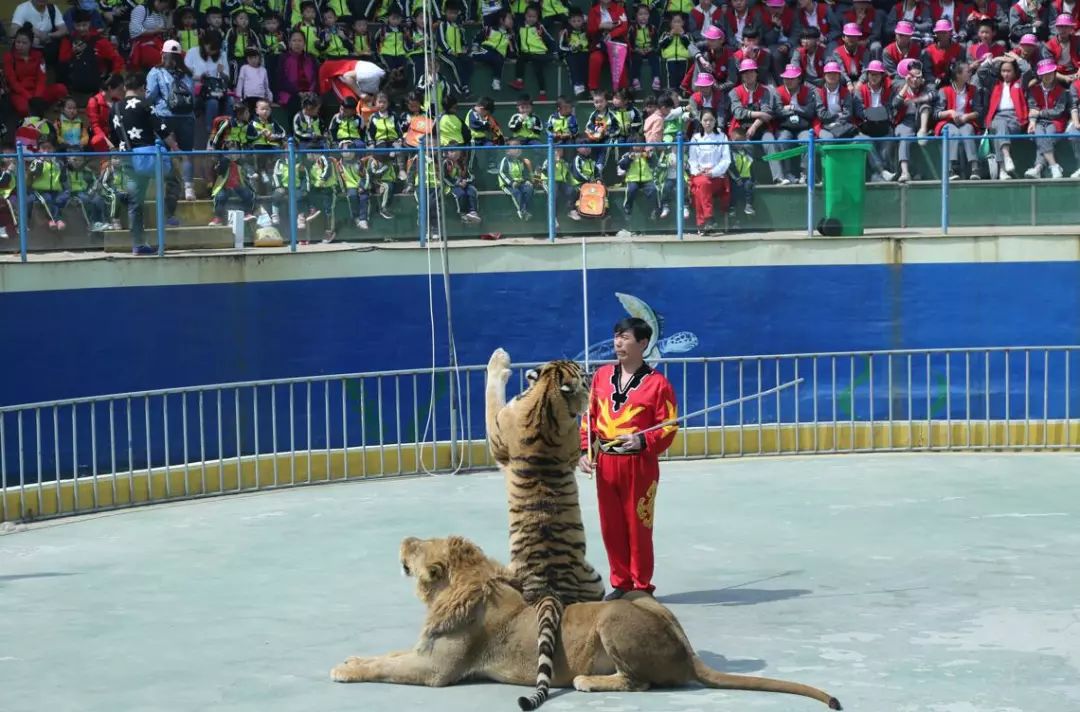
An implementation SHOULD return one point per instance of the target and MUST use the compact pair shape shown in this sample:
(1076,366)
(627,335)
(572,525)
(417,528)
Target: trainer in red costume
(626,399)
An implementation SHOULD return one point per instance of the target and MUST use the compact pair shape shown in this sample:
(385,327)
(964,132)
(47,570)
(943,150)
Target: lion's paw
(346,672)
(582,684)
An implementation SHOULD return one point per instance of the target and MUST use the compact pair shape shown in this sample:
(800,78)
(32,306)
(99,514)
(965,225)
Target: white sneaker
(784,181)
(656,84)
(579,89)
(664,212)
(362,224)
(99,227)
(922,133)
(904,177)
(301,223)
(877,178)
(189,191)
(624,234)
(574,215)
(1075,174)
(3,233)
(1004,175)
(1056,172)
(889,176)
(686,213)
(1010,167)
(1033,172)
(496,85)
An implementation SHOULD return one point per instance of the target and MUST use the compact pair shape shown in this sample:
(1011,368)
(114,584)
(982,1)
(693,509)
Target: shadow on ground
(734,596)
(9,578)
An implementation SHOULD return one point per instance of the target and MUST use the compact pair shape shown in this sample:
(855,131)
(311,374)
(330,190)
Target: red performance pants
(703,189)
(626,492)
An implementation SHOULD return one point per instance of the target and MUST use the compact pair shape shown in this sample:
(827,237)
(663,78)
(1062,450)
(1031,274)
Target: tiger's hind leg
(608,683)
(498,375)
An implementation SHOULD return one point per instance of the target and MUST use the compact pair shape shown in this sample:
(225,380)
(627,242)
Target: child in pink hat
(913,103)
(1064,48)
(798,112)
(942,54)
(903,47)
(1048,112)
(851,55)
(753,109)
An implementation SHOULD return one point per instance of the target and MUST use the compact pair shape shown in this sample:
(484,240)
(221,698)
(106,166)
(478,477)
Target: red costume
(626,483)
(97,114)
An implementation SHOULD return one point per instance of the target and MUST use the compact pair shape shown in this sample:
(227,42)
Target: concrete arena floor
(897,583)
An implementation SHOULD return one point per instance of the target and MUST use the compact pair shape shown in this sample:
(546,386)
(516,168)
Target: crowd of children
(763,69)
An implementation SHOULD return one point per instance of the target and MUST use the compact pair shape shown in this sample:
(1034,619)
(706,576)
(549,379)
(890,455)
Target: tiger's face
(566,377)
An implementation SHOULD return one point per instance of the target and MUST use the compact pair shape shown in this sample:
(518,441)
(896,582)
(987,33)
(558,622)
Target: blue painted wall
(63,343)
(66,343)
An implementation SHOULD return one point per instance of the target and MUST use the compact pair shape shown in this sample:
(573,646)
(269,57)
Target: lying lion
(479,628)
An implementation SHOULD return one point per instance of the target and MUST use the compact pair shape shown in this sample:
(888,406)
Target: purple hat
(852,30)
(747,65)
(792,71)
(902,67)
(876,66)
(774,3)
(1064,20)
(832,67)
(704,79)
(905,28)
(942,26)
(712,32)
(1046,66)
(1030,40)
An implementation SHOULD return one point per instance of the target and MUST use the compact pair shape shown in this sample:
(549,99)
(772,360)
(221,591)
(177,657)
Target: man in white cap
(753,109)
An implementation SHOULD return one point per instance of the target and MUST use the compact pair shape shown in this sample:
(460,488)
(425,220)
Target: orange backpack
(592,201)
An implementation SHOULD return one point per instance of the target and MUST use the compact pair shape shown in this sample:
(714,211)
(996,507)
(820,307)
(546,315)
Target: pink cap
(704,79)
(832,67)
(852,30)
(905,28)
(1064,20)
(902,67)
(1046,66)
(792,71)
(876,66)
(747,65)
(942,26)
(774,3)
(712,32)
(1030,40)
(171,47)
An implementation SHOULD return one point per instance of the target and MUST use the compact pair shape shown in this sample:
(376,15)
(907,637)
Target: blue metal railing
(296,158)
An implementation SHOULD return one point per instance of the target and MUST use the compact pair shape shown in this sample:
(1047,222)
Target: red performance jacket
(647,400)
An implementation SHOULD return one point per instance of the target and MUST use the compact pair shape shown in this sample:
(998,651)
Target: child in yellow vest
(85,189)
(230,182)
(48,184)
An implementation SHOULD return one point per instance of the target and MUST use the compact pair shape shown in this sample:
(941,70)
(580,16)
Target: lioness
(479,627)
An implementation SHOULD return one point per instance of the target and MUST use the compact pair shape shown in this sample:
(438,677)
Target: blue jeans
(742,189)
(136,187)
(183,128)
(358,203)
(633,188)
(213,108)
(241,193)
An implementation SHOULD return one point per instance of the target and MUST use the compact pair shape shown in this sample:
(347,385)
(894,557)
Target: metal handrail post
(679,185)
(945,179)
(422,191)
(811,176)
(20,192)
(159,195)
(294,181)
(551,203)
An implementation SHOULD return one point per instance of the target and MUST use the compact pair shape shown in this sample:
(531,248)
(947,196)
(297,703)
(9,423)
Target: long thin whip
(725,404)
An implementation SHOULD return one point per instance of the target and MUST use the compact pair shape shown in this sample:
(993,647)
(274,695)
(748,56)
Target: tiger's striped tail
(548,616)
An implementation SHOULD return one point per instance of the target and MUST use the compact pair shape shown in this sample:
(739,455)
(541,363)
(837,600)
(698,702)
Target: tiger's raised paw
(499,366)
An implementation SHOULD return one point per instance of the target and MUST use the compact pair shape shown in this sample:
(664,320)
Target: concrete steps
(177,238)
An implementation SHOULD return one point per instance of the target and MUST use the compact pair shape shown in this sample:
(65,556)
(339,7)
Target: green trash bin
(844,171)
(844,168)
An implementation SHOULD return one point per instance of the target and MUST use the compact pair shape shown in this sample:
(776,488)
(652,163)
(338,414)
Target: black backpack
(179,99)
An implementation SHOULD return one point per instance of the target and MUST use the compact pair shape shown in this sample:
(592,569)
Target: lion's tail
(548,616)
(714,678)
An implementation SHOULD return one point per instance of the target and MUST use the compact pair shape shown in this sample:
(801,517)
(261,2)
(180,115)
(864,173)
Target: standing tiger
(535,439)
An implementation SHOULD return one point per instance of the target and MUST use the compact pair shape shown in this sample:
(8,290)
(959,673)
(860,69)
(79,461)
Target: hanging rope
(585,322)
